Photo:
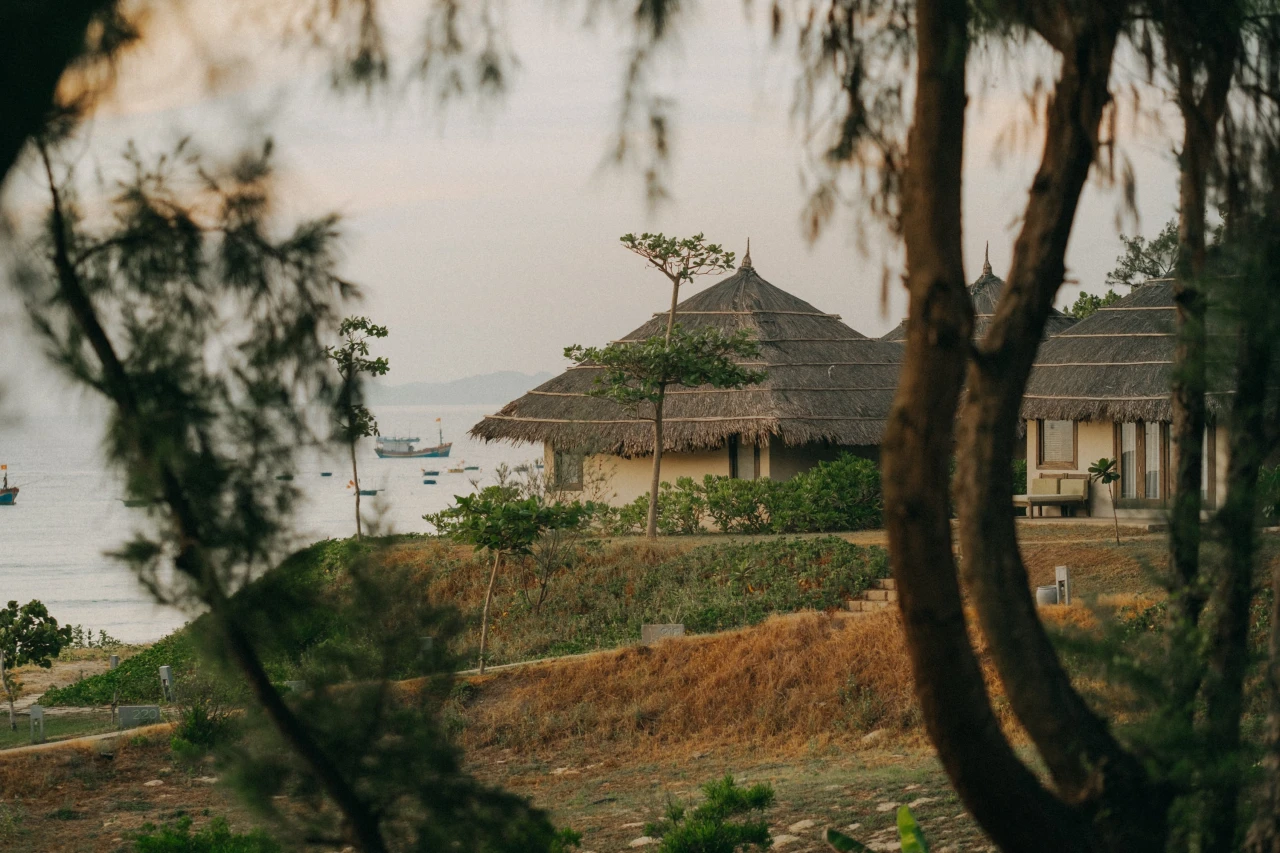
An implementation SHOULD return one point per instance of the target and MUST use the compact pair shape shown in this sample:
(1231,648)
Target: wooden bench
(1067,491)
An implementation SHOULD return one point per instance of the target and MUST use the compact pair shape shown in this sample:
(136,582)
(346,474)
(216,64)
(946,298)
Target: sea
(70,514)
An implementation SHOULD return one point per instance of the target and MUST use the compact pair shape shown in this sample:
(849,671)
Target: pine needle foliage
(205,327)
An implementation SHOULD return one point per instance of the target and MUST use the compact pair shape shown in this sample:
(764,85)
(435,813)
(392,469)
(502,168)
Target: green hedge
(840,495)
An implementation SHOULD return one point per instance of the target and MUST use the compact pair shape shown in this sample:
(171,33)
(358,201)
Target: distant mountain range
(499,388)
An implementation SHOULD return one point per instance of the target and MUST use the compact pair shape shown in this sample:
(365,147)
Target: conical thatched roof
(826,382)
(1114,365)
(985,293)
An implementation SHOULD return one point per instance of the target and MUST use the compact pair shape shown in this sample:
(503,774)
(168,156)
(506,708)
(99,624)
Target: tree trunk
(1115,515)
(1011,805)
(484,618)
(4,682)
(1228,656)
(1089,767)
(651,525)
(675,298)
(1201,116)
(355,478)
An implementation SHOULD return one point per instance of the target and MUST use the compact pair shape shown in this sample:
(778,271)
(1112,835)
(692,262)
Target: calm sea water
(69,515)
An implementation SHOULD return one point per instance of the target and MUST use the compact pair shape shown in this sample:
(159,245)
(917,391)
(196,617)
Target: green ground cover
(597,595)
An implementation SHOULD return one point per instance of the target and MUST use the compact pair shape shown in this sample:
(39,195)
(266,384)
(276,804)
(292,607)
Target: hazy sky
(488,240)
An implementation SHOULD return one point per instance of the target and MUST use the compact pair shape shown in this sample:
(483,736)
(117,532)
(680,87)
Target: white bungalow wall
(1096,440)
(620,481)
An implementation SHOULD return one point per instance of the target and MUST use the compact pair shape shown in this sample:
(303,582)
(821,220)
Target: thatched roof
(826,382)
(985,293)
(1114,365)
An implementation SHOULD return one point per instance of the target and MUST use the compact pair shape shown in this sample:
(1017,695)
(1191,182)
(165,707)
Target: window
(1128,460)
(1057,444)
(568,469)
(1154,448)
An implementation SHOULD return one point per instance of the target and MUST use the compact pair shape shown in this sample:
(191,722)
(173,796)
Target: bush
(1269,494)
(217,837)
(708,829)
(840,495)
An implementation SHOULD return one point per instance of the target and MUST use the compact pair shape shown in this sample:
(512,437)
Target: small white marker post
(1062,577)
(166,683)
(37,723)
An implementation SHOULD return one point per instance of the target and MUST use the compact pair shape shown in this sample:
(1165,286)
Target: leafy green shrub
(205,720)
(840,495)
(217,837)
(738,506)
(708,828)
(1019,476)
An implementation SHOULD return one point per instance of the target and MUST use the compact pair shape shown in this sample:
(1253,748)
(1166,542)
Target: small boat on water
(428,482)
(454,470)
(326,473)
(392,447)
(427,473)
(285,477)
(368,493)
(8,494)
(134,503)
(470,467)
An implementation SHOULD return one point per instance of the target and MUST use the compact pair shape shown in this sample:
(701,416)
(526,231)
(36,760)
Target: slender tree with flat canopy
(638,373)
(680,260)
(355,421)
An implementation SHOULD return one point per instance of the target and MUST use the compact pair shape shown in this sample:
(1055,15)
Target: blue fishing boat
(326,473)
(8,494)
(394,447)
(428,482)
(368,493)
(427,473)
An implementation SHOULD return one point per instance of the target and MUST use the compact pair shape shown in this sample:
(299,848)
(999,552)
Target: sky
(486,238)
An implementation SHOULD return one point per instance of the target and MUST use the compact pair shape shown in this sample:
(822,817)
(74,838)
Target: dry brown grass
(793,682)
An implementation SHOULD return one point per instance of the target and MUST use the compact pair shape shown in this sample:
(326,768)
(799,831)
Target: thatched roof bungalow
(828,390)
(1102,389)
(985,293)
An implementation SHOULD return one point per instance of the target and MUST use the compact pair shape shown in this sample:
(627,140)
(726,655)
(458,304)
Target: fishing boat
(326,473)
(427,473)
(470,467)
(368,493)
(394,447)
(428,482)
(454,470)
(8,494)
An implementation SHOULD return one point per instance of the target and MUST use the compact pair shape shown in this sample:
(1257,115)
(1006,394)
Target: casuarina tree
(355,421)
(636,375)
(28,635)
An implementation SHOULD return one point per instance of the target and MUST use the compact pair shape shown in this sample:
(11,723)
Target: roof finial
(746,259)
(986,259)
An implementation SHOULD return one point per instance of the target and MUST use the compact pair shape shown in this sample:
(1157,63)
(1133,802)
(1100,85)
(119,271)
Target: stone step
(886,583)
(876,595)
(860,605)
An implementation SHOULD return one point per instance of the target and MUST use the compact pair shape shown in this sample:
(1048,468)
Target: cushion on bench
(1042,486)
(1072,487)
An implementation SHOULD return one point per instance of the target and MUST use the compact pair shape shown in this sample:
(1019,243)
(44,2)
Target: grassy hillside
(596,598)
